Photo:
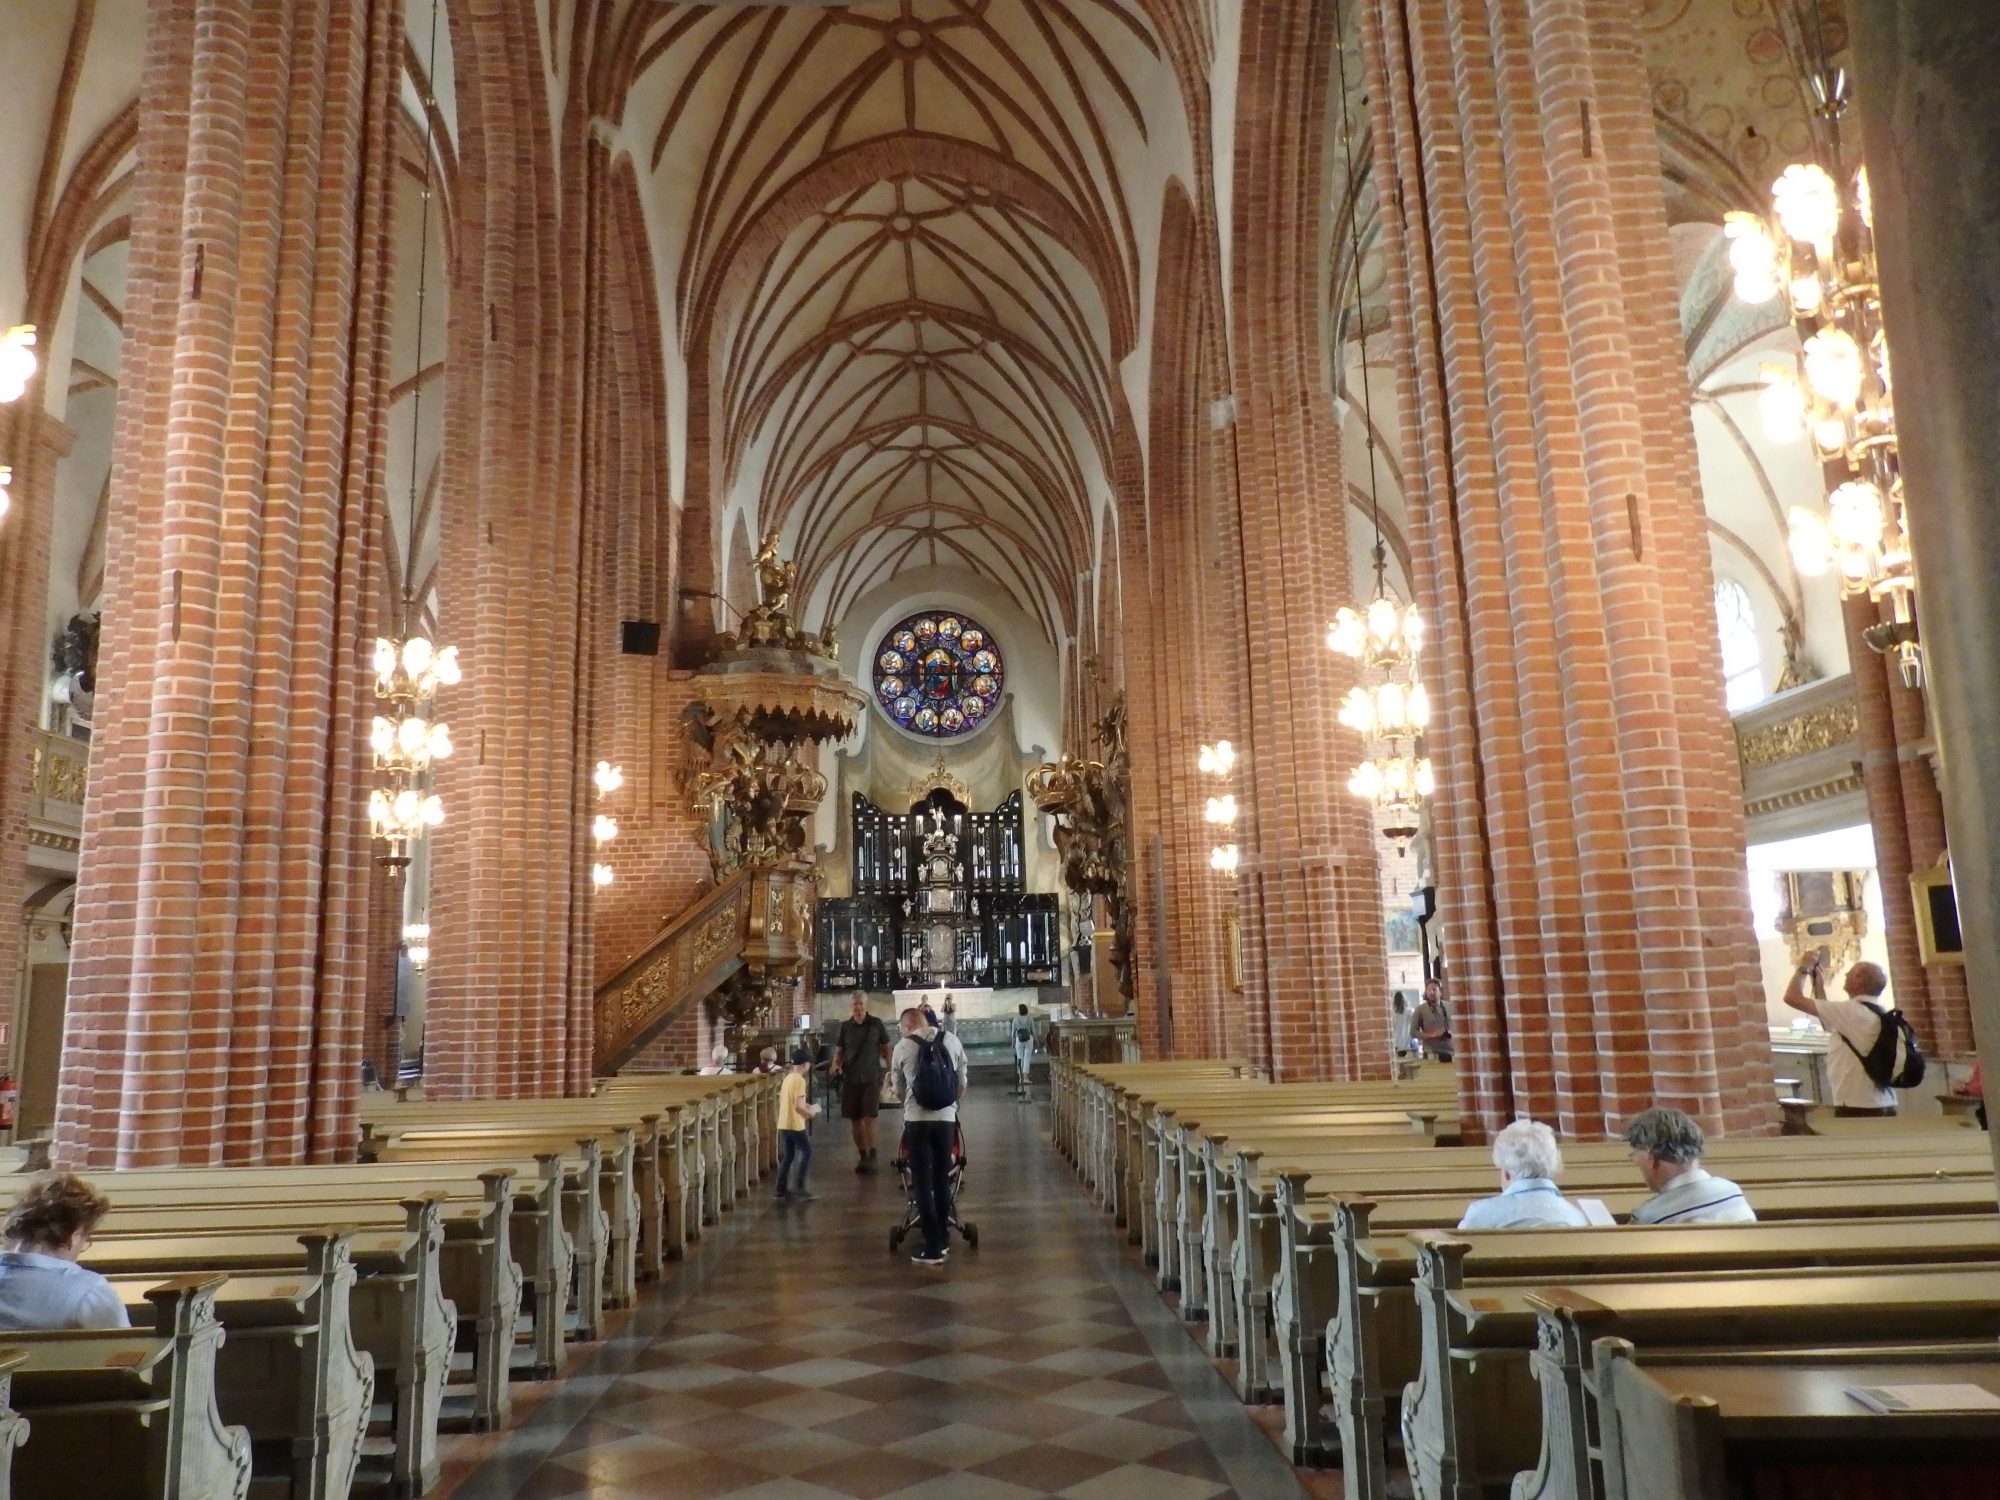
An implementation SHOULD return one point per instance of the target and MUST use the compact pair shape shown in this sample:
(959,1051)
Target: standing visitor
(1433,1023)
(1024,1050)
(948,1014)
(928,1073)
(860,1053)
(41,1285)
(795,1146)
(1855,1024)
(1400,1022)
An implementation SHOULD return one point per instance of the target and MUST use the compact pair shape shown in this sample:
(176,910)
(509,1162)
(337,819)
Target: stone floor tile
(959,1445)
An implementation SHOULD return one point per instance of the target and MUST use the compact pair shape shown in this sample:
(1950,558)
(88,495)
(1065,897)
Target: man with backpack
(1873,1051)
(928,1072)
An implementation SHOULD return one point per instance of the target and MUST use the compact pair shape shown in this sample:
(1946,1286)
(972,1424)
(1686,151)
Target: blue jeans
(929,1143)
(794,1147)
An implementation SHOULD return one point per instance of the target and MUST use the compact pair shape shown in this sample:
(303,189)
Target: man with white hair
(1855,1024)
(1530,1161)
(1666,1147)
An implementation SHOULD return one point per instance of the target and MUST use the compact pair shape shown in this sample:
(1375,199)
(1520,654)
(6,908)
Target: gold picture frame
(1939,939)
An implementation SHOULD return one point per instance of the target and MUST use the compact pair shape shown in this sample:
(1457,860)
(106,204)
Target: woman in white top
(41,1285)
(1530,1161)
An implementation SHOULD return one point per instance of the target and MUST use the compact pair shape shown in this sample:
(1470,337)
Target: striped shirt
(1695,1197)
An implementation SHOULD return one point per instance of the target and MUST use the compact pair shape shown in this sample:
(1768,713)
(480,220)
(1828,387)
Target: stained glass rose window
(938,674)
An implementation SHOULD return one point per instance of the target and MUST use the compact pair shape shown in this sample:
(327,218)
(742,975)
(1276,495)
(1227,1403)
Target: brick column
(1588,828)
(217,986)
(1311,901)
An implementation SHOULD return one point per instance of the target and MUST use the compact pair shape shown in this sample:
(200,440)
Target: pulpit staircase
(759,918)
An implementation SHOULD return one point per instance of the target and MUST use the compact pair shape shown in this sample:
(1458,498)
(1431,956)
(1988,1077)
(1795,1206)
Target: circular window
(938,674)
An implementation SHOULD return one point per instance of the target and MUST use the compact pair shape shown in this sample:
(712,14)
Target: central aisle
(794,1358)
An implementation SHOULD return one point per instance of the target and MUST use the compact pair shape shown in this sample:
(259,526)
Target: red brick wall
(217,992)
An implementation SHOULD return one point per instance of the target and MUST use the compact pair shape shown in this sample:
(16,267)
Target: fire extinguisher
(10,1100)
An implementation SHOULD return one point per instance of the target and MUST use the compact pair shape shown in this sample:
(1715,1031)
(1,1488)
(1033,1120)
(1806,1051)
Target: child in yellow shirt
(794,1144)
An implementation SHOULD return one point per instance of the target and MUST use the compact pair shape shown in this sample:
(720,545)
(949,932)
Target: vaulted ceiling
(906,242)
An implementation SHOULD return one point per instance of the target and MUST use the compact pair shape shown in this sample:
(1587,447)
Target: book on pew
(1892,1399)
(1595,1213)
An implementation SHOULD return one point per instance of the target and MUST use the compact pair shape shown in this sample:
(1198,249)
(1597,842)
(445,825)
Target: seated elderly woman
(41,1285)
(1530,1162)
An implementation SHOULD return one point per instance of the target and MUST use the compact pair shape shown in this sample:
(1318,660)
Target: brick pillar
(1906,816)
(217,986)
(1588,828)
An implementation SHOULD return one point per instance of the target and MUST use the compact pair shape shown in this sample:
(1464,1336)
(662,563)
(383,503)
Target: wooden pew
(1447,1178)
(477,1271)
(129,1414)
(1688,1427)
(288,1371)
(1371,1329)
(596,1235)
(1469,1419)
(13,1426)
(541,1244)
(399,1313)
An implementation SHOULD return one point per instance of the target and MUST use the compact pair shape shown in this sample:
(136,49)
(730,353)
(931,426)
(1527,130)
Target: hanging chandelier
(604,828)
(407,741)
(17,368)
(1821,258)
(1219,760)
(1389,708)
(407,738)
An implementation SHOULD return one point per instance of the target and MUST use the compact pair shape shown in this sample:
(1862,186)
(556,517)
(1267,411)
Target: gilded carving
(1823,728)
(1087,799)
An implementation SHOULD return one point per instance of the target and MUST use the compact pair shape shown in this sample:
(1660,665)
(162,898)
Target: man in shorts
(860,1057)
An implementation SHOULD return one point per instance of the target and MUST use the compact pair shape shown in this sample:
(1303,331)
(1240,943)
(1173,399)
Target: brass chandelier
(1390,709)
(1821,257)
(407,738)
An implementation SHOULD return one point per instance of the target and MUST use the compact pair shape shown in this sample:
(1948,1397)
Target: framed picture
(1400,928)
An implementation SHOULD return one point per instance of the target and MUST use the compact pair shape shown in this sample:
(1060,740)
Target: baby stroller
(956,1177)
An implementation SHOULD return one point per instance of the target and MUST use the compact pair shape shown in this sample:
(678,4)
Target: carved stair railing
(693,955)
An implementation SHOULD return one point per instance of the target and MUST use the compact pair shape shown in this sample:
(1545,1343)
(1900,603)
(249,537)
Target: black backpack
(1895,1038)
(936,1083)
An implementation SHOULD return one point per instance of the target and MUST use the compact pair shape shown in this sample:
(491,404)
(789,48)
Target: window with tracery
(938,674)
(1742,653)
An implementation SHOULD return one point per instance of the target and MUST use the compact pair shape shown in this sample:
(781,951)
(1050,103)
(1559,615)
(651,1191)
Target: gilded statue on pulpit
(1087,798)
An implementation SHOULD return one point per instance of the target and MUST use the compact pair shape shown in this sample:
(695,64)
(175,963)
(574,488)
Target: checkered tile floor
(806,1362)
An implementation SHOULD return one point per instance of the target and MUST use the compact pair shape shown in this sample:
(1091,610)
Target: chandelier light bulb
(608,778)
(1391,710)
(17,362)
(382,737)
(1808,296)
(1418,706)
(6,475)
(1383,618)
(601,875)
(385,659)
(1347,634)
(1753,257)
(1366,782)
(1357,711)
(1413,629)
(440,742)
(1834,367)
(406,805)
(413,737)
(604,828)
(1864,202)
(1808,203)
(1224,859)
(445,667)
(1856,516)
(1426,779)
(416,655)
(433,811)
